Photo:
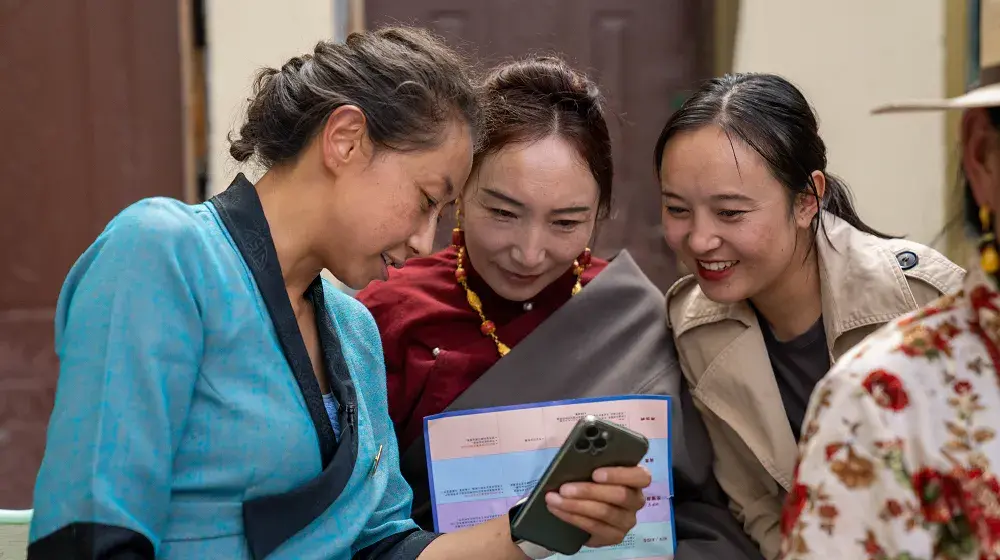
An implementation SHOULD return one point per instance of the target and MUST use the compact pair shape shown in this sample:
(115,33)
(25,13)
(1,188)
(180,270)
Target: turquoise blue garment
(175,404)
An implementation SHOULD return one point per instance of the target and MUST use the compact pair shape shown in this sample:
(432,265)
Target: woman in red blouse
(517,310)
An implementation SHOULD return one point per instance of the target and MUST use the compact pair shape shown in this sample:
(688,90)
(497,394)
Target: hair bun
(545,78)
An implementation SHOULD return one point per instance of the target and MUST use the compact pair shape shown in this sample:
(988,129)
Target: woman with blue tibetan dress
(216,398)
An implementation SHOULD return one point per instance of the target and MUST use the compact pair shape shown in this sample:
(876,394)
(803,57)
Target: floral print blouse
(899,452)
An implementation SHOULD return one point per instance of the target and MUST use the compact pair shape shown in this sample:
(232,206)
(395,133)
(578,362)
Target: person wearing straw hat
(901,452)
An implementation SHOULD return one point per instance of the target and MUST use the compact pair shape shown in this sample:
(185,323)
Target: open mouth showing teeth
(717,266)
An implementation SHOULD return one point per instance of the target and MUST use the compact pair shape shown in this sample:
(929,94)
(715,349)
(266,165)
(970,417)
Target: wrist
(528,548)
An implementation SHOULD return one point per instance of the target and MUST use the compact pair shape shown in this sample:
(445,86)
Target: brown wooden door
(644,53)
(91,120)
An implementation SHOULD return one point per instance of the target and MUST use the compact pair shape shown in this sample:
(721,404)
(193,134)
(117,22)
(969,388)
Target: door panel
(643,53)
(92,115)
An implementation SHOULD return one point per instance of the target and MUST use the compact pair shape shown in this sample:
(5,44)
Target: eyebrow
(735,197)
(513,202)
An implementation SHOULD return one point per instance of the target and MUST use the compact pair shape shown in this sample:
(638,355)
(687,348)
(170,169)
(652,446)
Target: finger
(621,496)
(601,512)
(634,477)
(601,534)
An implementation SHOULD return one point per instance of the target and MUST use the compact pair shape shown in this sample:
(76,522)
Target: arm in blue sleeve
(129,338)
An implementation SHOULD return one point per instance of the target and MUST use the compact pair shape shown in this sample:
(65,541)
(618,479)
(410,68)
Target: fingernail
(553,499)
(600,476)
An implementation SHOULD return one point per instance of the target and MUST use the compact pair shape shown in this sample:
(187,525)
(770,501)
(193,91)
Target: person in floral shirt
(899,455)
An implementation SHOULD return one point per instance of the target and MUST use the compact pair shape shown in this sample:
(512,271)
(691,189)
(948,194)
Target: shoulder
(151,231)
(160,219)
(925,267)
(900,363)
(149,238)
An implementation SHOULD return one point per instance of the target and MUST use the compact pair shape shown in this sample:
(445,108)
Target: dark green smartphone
(592,444)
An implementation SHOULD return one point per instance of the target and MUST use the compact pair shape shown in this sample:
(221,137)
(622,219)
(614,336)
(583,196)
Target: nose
(702,238)
(421,243)
(529,252)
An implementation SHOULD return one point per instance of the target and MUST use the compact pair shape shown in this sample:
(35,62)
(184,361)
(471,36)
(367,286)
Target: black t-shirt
(798,366)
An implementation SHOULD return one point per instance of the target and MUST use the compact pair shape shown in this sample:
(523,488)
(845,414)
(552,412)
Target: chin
(515,293)
(723,293)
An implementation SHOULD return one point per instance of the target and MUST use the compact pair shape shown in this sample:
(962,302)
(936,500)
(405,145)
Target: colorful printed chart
(481,462)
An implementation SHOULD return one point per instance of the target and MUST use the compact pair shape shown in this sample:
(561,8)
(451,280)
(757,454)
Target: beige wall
(245,35)
(849,56)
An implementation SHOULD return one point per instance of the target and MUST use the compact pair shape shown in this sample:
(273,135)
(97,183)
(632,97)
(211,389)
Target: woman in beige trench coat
(787,277)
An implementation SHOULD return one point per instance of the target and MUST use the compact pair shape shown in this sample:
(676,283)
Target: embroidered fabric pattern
(899,448)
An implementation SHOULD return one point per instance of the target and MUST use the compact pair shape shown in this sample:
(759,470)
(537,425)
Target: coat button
(907,259)
(528,306)
(436,352)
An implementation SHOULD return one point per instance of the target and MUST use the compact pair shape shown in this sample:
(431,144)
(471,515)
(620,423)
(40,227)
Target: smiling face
(528,211)
(728,219)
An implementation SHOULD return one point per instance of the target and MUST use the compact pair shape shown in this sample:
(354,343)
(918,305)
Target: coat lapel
(740,388)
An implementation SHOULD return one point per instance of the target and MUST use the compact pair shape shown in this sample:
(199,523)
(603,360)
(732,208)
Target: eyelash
(429,203)
(501,213)
(727,214)
(508,215)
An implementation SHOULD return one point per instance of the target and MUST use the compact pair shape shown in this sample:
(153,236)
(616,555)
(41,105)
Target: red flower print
(794,504)
(969,495)
(893,508)
(962,387)
(887,390)
(940,495)
(871,545)
(982,298)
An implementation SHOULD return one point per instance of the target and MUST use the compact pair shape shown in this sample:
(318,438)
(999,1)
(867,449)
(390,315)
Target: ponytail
(839,201)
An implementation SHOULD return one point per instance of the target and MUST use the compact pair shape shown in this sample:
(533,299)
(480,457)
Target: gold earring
(988,257)
(457,235)
(581,264)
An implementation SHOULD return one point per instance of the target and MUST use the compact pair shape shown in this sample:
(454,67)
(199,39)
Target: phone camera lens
(582,445)
(591,432)
(600,443)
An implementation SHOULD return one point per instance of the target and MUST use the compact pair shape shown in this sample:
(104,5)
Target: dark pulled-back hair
(772,117)
(530,99)
(409,85)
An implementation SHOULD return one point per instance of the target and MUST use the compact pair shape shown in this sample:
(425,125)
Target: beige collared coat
(865,282)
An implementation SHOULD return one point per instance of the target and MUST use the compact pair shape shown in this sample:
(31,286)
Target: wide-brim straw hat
(984,90)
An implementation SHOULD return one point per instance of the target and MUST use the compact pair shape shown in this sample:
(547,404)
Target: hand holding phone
(592,444)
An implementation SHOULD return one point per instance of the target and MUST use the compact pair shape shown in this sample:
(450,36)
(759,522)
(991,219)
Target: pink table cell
(520,430)
(649,418)
(469,435)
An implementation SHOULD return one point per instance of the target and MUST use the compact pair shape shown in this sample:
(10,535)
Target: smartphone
(592,444)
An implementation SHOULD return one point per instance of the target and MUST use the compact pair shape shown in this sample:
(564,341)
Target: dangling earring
(988,257)
(581,264)
(457,235)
